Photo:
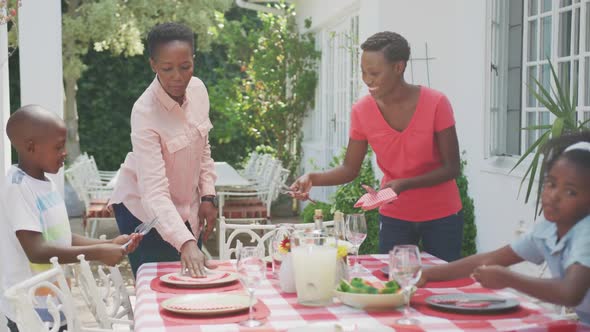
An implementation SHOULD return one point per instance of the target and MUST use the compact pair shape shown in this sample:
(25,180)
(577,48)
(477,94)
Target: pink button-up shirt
(170,166)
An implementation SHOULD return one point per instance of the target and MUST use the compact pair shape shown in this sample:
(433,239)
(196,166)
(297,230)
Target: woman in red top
(412,131)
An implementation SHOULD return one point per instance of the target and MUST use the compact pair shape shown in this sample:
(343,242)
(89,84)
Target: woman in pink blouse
(169,173)
(412,131)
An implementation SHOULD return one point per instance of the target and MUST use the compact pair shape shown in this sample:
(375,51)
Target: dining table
(227,176)
(284,313)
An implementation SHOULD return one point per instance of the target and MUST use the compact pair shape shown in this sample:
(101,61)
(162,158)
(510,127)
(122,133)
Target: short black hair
(166,32)
(394,46)
(555,148)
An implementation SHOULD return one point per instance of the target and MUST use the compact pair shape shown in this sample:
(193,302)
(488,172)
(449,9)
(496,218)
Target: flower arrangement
(285,245)
(342,251)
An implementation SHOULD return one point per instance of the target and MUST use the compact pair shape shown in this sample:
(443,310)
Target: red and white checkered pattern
(287,313)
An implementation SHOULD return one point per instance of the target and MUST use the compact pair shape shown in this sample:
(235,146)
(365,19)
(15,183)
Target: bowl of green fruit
(366,295)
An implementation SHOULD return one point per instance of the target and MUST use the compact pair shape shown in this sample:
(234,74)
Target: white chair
(23,298)
(93,193)
(256,201)
(259,234)
(108,301)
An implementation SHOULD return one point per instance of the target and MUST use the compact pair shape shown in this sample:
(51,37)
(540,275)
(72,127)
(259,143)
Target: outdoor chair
(253,233)
(94,194)
(109,299)
(255,201)
(25,296)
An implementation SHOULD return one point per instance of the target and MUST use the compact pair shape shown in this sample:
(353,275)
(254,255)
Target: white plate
(371,301)
(226,278)
(207,304)
(340,327)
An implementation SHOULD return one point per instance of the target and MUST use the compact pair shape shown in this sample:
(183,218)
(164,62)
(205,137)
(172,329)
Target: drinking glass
(356,232)
(251,269)
(405,268)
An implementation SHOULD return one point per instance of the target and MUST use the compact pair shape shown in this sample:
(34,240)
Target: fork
(287,191)
(142,229)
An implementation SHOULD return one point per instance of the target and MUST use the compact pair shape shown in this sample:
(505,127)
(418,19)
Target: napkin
(374,199)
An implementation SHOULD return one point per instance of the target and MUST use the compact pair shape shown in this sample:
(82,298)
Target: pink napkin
(374,199)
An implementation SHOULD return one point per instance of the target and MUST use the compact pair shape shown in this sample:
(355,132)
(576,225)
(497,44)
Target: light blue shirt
(541,245)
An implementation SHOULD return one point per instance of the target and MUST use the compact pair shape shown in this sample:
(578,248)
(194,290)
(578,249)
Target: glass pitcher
(314,261)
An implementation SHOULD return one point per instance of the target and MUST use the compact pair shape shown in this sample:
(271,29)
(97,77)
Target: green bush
(309,210)
(346,195)
(469,227)
(343,200)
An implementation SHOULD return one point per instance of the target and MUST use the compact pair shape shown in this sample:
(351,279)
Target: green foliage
(106,94)
(346,195)
(276,85)
(469,228)
(344,199)
(561,102)
(309,210)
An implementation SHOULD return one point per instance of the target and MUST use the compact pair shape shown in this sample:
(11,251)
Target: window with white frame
(524,34)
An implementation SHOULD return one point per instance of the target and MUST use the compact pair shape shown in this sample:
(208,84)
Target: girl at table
(561,238)
(412,131)
(170,172)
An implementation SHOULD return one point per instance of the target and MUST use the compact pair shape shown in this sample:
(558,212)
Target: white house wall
(455,34)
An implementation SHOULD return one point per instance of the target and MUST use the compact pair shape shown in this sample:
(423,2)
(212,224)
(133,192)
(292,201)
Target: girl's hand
(301,187)
(494,277)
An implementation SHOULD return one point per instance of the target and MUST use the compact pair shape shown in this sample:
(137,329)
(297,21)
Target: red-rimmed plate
(212,279)
(471,303)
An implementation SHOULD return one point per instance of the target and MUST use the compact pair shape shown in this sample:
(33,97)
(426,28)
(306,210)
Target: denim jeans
(442,237)
(152,247)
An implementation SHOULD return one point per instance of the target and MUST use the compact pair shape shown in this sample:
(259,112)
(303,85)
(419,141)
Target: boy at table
(34,223)
(561,238)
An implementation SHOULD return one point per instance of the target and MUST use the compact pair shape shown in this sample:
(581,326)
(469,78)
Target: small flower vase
(287,274)
(341,270)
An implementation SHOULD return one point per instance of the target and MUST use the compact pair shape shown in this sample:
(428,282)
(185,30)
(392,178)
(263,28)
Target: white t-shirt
(29,204)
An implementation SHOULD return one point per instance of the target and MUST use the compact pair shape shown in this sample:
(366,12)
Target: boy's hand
(110,253)
(122,239)
(494,277)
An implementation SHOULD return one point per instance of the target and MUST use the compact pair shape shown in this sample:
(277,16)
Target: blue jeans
(442,237)
(152,247)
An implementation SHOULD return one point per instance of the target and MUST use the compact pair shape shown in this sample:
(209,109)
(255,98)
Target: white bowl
(372,301)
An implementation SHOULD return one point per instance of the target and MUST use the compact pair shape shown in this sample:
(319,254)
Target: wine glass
(405,268)
(356,232)
(251,269)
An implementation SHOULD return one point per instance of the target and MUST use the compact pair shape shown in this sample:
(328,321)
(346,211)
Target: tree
(118,27)
(277,87)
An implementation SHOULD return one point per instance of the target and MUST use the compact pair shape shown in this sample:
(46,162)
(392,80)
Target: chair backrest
(108,300)
(259,234)
(24,300)
(86,182)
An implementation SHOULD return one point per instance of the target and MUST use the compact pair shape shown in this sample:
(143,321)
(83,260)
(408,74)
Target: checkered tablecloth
(286,313)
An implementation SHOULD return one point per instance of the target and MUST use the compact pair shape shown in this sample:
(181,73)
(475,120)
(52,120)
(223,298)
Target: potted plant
(556,100)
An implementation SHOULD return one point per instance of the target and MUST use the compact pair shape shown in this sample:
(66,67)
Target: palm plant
(556,100)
